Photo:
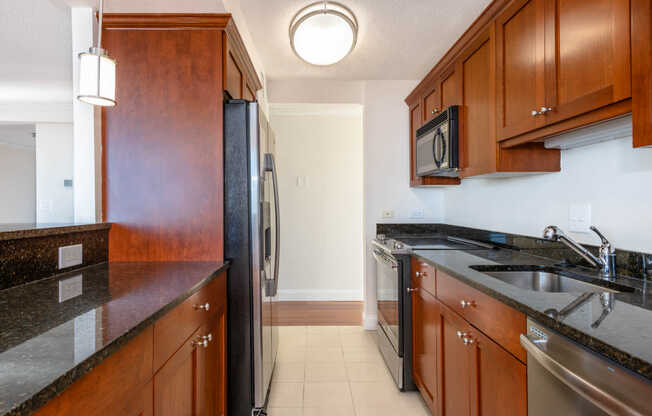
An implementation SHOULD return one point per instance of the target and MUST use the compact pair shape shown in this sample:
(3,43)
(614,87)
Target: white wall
(17,184)
(387,174)
(320,189)
(611,176)
(54,164)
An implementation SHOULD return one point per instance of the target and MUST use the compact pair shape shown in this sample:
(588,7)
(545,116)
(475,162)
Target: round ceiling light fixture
(323,33)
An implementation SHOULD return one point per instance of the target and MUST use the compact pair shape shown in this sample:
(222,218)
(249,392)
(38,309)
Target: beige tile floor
(335,371)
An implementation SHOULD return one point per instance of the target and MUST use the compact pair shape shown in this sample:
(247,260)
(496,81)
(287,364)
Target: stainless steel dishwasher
(564,378)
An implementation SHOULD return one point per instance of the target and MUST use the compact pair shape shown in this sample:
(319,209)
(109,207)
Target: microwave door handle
(439,136)
(270,166)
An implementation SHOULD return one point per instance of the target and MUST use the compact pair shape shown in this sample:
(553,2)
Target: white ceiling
(397,39)
(36,45)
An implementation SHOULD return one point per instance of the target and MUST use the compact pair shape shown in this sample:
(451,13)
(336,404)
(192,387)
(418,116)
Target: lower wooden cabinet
(459,370)
(425,311)
(190,380)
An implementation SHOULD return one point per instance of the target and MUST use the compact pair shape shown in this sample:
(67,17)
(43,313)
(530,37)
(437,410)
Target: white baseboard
(319,295)
(369,322)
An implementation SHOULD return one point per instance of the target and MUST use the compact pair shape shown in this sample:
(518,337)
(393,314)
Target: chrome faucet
(606,261)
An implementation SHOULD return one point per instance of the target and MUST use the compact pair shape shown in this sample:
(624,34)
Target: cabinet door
(214,357)
(179,386)
(233,74)
(139,403)
(432,103)
(478,138)
(587,55)
(520,67)
(449,88)
(499,380)
(425,310)
(415,123)
(453,364)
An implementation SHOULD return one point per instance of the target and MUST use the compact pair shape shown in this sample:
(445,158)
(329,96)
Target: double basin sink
(549,279)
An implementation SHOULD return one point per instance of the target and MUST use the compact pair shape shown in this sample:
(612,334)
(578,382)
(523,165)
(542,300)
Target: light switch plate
(388,213)
(579,217)
(70,256)
(70,288)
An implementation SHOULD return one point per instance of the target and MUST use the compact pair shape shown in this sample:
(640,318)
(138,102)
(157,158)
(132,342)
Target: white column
(87,132)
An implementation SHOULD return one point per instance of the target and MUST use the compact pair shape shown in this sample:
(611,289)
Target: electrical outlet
(70,256)
(388,213)
(417,213)
(579,217)
(70,288)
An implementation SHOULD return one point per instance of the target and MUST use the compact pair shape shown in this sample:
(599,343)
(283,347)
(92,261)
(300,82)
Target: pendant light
(97,73)
(323,33)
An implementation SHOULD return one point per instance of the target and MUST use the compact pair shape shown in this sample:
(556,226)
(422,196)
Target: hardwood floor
(318,313)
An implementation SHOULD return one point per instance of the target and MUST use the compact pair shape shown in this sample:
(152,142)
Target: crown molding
(311,109)
(169,21)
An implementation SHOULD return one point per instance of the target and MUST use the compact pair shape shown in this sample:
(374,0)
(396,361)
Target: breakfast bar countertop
(54,331)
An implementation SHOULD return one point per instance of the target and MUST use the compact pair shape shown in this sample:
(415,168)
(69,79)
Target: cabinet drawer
(171,331)
(497,320)
(424,276)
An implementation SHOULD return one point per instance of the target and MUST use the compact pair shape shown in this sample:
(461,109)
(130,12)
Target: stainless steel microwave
(437,145)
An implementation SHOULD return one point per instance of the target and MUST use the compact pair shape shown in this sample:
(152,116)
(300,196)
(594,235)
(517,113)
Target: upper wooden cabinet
(239,78)
(526,70)
(520,67)
(558,59)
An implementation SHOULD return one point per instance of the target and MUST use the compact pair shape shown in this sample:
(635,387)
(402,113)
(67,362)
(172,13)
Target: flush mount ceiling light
(323,33)
(97,73)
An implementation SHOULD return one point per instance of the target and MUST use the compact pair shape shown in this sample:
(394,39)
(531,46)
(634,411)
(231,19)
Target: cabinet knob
(200,343)
(205,307)
(467,303)
(410,290)
(467,341)
(421,274)
(434,111)
(461,334)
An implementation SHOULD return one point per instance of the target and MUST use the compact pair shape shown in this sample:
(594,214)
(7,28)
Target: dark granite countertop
(47,343)
(29,230)
(624,335)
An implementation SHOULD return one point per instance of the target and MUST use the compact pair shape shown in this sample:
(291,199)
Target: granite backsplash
(628,263)
(32,254)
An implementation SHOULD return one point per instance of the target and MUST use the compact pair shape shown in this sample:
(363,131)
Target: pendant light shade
(323,33)
(96,78)
(97,73)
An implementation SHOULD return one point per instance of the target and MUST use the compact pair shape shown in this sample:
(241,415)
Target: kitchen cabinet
(543,49)
(641,72)
(425,311)
(167,132)
(466,355)
(189,380)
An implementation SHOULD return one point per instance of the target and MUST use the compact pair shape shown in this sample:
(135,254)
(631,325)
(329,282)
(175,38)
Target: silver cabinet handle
(434,111)
(534,113)
(208,337)
(544,110)
(200,343)
(410,290)
(205,307)
(467,303)
(467,341)
(461,334)
(421,274)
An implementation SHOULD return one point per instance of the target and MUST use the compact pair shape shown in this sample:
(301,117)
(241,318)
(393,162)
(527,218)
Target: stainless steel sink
(548,279)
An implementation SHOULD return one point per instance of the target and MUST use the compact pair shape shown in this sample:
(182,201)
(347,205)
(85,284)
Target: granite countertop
(624,335)
(48,342)
(29,230)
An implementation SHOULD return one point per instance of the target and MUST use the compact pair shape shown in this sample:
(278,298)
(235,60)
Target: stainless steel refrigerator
(251,243)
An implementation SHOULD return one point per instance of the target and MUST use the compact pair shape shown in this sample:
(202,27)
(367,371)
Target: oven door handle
(382,258)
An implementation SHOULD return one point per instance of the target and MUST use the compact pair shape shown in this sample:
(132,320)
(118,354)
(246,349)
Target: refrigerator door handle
(270,166)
